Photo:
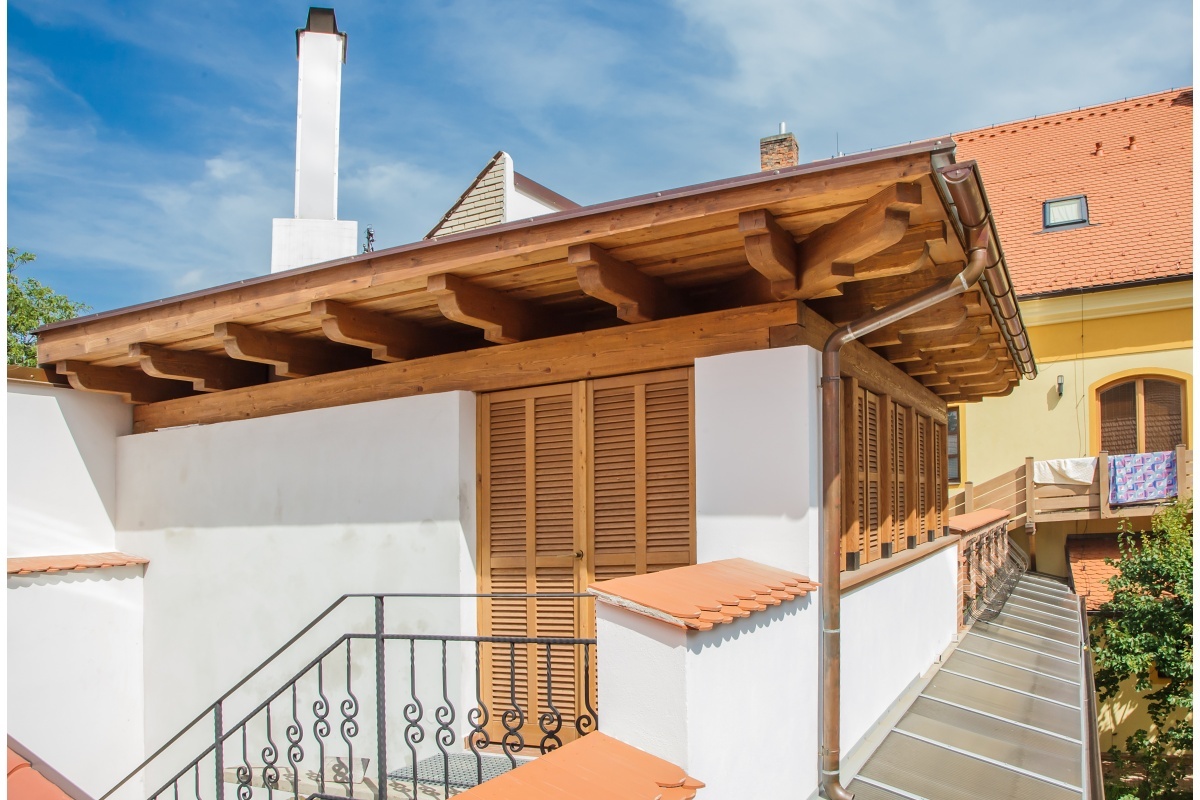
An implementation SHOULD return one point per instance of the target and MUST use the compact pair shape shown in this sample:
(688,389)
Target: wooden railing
(1014,491)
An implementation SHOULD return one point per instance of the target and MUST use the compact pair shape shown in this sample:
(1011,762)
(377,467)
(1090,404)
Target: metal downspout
(982,254)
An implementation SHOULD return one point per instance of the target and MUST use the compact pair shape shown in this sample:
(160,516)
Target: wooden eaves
(649,282)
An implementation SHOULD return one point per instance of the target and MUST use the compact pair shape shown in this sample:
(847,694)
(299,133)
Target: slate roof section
(1089,573)
(26,783)
(30,565)
(1139,192)
(594,767)
(703,595)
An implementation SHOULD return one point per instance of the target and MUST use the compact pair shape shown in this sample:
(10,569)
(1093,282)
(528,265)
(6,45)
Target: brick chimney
(779,151)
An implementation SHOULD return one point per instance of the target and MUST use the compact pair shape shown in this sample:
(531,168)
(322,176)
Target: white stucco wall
(75,639)
(254,527)
(758,457)
(62,455)
(893,630)
(75,671)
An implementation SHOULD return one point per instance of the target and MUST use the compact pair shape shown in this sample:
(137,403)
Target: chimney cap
(321,20)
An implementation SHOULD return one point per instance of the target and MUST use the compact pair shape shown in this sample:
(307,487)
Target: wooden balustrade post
(1181,473)
(1102,478)
(968,497)
(1030,509)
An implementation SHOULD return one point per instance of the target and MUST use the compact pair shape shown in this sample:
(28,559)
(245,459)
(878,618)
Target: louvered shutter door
(900,475)
(872,516)
(922,476)
(939,476)
(602,468)
(642,474)
(531,477)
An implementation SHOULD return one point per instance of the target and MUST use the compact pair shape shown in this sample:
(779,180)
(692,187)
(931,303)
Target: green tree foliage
(31,305)
(1147,629)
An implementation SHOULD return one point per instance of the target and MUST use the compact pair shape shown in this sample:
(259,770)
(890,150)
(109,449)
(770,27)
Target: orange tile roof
(973,521)
(595,767)
(26,783)
(1139,192)
(34,564)
(703,595)
(1089,573)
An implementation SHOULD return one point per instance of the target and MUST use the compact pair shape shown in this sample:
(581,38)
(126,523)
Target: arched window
(1141,415)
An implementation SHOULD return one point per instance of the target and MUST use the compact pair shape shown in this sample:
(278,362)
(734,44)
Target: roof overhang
(845,236)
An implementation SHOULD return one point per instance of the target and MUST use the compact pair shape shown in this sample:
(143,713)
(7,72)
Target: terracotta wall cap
(30,565)
(965,523)
(594,767)
(703,595)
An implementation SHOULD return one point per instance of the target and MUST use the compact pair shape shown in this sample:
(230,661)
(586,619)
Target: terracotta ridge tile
(29,565)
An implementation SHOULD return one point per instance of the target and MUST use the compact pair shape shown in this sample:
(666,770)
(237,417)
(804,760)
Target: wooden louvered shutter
(900,485)
(873,520)
(853,469)
(643,511)
(531,510)
(922,476)
(939,476)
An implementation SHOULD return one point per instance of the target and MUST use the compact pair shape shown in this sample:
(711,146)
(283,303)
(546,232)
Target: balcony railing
(380,713)
(1029,504)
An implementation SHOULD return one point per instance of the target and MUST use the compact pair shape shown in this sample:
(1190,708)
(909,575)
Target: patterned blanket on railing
(1142,478)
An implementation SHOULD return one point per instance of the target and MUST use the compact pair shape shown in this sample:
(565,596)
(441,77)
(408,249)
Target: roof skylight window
(1065,212)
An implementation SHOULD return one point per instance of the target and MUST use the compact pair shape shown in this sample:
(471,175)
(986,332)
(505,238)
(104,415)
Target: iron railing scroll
(433,726)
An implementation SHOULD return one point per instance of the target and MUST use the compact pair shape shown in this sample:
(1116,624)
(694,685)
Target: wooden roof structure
(771,258)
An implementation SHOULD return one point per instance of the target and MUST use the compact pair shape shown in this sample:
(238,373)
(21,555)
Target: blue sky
(151,143)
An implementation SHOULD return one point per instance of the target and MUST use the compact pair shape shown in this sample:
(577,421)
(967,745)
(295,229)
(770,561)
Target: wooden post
(1102,479)
(968,497)
(1030,508)
(1181,473)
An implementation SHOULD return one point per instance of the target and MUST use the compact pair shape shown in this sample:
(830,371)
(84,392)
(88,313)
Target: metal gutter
(965,190)
(928,146)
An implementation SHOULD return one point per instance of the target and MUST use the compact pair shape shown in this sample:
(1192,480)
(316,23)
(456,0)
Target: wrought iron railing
(449,711)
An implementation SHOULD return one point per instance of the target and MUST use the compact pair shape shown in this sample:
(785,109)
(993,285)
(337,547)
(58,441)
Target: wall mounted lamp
(1061,381)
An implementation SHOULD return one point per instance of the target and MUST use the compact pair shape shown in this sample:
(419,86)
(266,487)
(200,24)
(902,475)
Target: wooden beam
(504,319)
(828,256)
(291,356)
(770,250)
(207,373)
(132,385)
(942,317)
(912,253)
(637,296)
(388,338)
(662,344)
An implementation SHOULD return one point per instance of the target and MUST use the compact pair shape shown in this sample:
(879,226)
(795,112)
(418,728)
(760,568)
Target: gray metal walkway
(1002,718)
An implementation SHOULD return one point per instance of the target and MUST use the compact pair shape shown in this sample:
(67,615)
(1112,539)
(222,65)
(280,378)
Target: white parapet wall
(62,459)
(894,629)
(74,639)
(758,457)
(734,706)
(254,527)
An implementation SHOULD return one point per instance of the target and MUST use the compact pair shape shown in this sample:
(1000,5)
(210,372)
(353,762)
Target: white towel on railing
(1071,471)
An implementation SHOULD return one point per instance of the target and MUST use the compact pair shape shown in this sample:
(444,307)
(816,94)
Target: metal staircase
(1010,714)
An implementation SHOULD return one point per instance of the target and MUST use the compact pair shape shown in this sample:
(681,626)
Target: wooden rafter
(207,373)
(913,252)
(291,356)
(504,319)
(770,250)
(828,256)
(638,297)
(388,338)
(134,386)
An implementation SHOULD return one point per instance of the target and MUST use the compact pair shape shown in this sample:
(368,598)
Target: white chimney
(315,234)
